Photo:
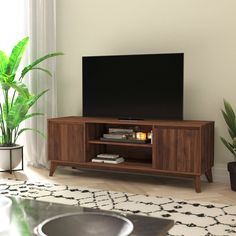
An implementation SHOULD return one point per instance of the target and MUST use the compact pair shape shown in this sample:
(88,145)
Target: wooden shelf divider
(129,144)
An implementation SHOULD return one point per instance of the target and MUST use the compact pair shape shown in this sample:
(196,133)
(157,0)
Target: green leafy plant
(230,119)
(17,99)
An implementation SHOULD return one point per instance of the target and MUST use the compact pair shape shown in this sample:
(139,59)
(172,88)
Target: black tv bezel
(180,117)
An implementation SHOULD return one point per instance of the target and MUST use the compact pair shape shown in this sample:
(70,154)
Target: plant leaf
(229,111)
(36,62)
(42,69)
(3,62)
(230,117)
(19,87)
(231,133)
(18,111)
(4,79)
(234,143)
(33,114)
(16,56)
(26,129)
(35,98)
(229,146)
(229,123)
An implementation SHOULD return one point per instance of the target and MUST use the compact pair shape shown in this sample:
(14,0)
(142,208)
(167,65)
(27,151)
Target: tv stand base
(196,178)
(178,148)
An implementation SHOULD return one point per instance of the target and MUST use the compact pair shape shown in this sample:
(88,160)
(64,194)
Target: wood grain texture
(66,142)
(129,167)
(207,146)
(117,122)
(178,149)
(188,153)
(166,149)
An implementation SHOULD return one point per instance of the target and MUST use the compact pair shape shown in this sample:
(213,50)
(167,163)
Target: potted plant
(230,119)
(15,102)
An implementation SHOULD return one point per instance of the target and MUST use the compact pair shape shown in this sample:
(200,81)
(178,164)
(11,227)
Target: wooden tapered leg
(197,183)
(208,175)
(52,168)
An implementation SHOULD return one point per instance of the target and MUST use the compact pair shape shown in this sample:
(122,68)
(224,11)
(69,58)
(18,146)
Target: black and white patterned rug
(191,218)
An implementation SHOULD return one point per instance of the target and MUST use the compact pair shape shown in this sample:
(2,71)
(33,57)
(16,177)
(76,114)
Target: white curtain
(41,20)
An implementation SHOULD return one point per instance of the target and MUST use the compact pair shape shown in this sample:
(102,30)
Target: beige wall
(205,30)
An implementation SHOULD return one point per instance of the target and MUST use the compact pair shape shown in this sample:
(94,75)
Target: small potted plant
(15,102)
(230,119)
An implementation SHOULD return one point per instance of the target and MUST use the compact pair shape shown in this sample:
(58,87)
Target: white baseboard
(220,173)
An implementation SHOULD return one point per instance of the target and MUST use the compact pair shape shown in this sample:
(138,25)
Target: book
(110,161)
(124,140)
(104,159)
(115,136)
(97,160)
(120,130)
(116,161)
(107,155)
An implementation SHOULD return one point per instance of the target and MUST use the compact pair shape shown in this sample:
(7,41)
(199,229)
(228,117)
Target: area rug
(191,218)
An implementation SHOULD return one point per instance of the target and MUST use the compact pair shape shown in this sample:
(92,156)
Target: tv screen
(133,86)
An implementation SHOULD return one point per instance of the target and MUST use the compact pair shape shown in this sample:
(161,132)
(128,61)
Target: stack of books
(118,134)
(108,158)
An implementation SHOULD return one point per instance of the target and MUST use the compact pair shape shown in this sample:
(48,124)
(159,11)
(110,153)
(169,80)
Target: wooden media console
(178,148)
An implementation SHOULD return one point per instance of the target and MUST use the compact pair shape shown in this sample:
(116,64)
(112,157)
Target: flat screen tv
(148,86)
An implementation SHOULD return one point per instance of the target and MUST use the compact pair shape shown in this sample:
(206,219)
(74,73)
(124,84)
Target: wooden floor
(141,184)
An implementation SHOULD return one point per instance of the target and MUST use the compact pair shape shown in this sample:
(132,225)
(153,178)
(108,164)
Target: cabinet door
(177,149)
(66,142)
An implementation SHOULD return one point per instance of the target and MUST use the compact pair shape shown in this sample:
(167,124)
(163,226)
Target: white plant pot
(15,153)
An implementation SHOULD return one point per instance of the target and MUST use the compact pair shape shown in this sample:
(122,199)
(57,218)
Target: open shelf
(146,145)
